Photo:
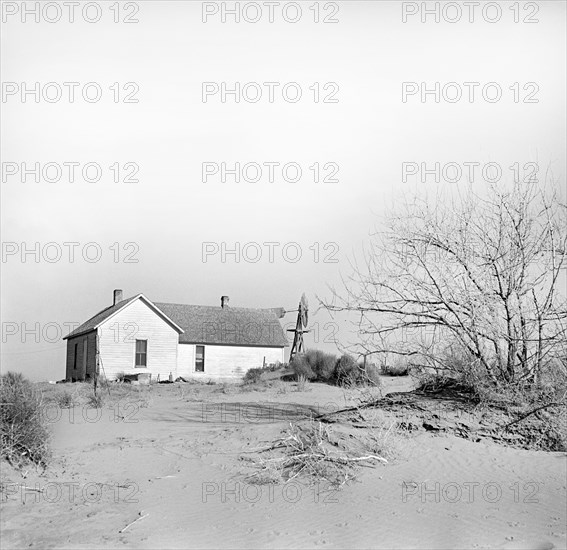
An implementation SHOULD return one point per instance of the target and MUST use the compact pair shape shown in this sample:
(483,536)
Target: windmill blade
(304,317)
(304,306)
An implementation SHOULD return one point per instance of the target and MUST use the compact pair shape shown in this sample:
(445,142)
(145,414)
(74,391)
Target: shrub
(325,367)
(253,376)
(301,367)
(399,367)
(322,364)
(346,371)
(349,373)
(314,365)
(23,432)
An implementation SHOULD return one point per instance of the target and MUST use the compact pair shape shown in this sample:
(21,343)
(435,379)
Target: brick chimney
(224,301)
(117,296)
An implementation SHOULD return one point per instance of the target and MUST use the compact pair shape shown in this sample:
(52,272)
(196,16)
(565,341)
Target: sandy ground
(172,459)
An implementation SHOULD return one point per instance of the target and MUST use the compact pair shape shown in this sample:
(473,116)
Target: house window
(200,359)
(75,357)
(141,353)
(85,352)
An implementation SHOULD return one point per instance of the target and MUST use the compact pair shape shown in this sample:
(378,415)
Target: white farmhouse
(135,336)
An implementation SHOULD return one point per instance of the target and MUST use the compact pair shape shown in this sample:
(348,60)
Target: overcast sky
(170,132)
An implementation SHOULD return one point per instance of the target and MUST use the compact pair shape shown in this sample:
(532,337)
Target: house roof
(95,321)
(207,324)
(229,325)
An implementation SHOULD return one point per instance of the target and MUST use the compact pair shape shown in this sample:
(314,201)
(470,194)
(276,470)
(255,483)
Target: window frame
(144,353)
(202,361)
(85,365)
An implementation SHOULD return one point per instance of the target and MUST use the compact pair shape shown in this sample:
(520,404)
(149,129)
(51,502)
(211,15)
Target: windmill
(300,328)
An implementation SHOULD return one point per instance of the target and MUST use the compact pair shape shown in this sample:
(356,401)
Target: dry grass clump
(314,452)
(96,400)
(231,388)
(23,433)
(302,383)
(143,396)
(382,435)
(281,388)
(65,400)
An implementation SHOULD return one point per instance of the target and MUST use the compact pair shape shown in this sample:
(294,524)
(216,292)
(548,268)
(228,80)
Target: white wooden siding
(117,340)
(186,360)
(225,363)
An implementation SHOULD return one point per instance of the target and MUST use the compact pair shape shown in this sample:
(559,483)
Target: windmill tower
(300,329)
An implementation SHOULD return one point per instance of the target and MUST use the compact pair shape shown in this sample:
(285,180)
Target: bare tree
(483,273)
